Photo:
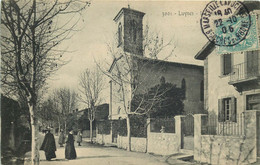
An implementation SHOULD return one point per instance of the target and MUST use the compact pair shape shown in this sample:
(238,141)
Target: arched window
(119,34)
(202,90)
(183,87)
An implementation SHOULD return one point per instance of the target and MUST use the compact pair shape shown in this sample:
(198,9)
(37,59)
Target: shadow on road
(101,156)
(54,160)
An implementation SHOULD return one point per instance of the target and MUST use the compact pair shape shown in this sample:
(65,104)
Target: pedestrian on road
(79,137)
(70,152)
(49,146)
(61,138)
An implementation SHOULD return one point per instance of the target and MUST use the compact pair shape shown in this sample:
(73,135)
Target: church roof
(177,64)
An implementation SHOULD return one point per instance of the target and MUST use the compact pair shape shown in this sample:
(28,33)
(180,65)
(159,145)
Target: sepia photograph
(124,82)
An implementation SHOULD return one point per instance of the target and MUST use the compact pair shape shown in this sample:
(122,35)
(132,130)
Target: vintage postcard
(125,82)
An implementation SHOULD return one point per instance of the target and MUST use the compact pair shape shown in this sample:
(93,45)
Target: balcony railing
(245,71)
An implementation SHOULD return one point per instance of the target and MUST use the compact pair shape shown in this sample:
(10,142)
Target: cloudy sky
(180,24)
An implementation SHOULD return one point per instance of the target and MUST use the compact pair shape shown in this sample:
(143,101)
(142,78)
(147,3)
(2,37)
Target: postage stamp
(251,41)
(225,23)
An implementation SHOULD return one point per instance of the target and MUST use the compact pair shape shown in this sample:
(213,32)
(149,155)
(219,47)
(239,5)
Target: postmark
(226,23)
(250,43)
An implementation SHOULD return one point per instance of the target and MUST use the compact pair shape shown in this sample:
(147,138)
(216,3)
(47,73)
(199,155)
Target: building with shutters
(231,81)
(232,95)
(189,77)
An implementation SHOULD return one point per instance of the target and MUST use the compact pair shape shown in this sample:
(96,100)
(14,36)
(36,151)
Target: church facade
(131,63)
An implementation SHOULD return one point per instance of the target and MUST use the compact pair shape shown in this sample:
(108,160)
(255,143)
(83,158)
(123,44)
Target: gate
(114,130)
(188,132)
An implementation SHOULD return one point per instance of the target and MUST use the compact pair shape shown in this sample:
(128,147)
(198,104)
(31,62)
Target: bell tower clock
(130,30)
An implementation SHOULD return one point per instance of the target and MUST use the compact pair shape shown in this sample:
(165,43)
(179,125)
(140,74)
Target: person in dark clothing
(70,152)
(61,138)
(49,146)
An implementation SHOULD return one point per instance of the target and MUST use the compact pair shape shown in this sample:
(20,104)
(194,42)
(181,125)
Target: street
(94,154)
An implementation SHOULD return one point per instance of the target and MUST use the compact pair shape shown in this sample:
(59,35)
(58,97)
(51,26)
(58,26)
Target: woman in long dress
(49,146)
(79,137)
(70,152)
(61,138)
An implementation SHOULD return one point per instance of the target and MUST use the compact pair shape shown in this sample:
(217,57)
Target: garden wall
(162,143)
(104,139)
(137,144)
(86,133)
(216,149)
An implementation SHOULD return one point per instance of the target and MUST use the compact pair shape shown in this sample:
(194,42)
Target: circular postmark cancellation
(226,23)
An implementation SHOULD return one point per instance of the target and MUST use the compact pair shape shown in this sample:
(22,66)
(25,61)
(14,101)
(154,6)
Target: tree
(31,33)
(170,103)
(91,85)
(131,75)
(49,112)
(68,102)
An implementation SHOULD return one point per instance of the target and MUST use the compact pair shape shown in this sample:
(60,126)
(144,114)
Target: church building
(130,47)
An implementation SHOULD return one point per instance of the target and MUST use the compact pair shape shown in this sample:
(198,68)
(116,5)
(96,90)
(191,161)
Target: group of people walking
(49,146)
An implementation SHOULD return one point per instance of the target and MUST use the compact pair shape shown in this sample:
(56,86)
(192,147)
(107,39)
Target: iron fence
(166,125)
(212,126)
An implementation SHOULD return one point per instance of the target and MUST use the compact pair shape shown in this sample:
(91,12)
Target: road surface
(94,154)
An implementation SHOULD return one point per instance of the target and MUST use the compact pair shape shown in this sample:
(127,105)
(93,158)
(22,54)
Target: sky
(176,20)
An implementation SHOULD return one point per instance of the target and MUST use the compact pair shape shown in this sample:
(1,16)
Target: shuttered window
(253,102)
(227,109)
(226,64)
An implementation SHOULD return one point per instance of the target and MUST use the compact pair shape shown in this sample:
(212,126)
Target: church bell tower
(130,30)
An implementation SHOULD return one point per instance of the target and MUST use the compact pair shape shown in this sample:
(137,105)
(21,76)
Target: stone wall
(104,139)
(122,142)
(157,143)
(216,149)
(162,143)
(86,133)
(137,144)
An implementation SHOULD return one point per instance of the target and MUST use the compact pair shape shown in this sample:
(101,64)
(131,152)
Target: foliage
(72,122)
(122,128)
(104,127)
(169,100)
(138,125)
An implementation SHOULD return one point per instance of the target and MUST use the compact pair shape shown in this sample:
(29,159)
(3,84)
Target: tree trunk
(65,127)
(128,133)
(35,157)
(91,131)
(59,126)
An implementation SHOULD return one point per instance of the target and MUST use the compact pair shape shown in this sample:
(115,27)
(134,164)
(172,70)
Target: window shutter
(233,109)
(227,63)
(221,113)
(222,64)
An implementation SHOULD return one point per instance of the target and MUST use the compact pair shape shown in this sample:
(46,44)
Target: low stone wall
(163,143)
(216,149)
(221,149)
(122,142)
(104,139)
(137,144)
(86,133)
